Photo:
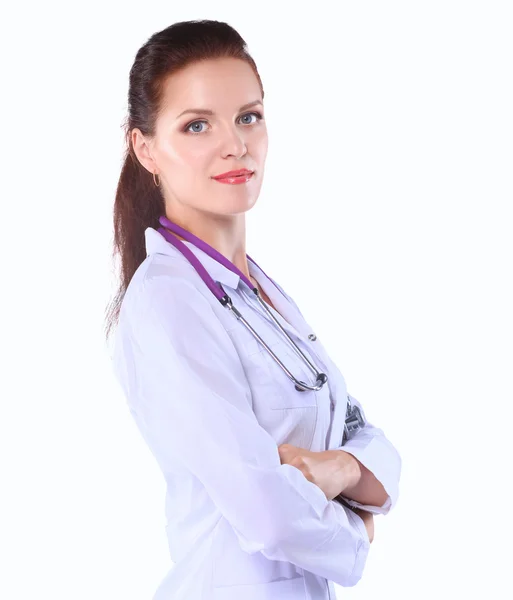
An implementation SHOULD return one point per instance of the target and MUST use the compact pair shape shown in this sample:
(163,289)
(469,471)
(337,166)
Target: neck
(227,234)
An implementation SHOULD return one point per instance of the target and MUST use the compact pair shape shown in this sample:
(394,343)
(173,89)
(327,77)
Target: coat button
(312,337)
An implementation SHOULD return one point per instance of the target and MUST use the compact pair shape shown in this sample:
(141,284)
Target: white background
(386,200)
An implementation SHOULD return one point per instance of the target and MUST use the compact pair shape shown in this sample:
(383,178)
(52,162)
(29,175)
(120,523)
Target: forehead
(222,84)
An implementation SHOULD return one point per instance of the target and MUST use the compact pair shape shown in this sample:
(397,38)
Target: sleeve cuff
(381,458)
(375,510)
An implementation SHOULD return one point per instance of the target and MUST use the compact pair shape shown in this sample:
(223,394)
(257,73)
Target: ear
(142,150)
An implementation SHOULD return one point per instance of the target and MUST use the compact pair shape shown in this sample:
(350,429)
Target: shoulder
(164,281)
(167,302)
(173,323)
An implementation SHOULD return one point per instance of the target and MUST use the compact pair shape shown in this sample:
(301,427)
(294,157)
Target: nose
(233,143)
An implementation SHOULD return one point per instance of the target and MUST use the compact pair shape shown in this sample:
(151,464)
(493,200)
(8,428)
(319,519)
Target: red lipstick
(238,176)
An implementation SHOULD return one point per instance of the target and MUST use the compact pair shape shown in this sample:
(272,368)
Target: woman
(265,496)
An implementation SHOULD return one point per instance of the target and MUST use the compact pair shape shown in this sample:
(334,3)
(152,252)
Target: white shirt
(213,407)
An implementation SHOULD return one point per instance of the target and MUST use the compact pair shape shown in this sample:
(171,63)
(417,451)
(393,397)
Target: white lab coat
(213,407)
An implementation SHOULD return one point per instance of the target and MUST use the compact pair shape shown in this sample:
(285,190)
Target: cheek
(199,156)
(194,156)
(260,145)
(184,153)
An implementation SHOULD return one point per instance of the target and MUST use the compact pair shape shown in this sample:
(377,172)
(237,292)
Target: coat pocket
(289,415)
(285,393)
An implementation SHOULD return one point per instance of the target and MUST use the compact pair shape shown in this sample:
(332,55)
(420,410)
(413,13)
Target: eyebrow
(206,111)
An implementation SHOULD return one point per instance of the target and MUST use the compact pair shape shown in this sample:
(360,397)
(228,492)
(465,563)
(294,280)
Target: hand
(331,470)
(368,519)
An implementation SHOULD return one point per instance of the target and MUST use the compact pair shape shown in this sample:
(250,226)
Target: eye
(257,114)
(188,129)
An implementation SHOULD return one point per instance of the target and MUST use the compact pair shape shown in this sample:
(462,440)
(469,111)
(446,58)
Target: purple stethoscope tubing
(225,300)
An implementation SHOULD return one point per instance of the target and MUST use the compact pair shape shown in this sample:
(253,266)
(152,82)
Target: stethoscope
(354,419)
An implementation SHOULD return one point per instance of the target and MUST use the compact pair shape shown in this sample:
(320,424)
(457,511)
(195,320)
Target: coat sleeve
(370,446)
(192,402)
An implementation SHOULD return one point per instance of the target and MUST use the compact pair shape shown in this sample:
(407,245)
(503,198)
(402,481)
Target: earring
(157,184)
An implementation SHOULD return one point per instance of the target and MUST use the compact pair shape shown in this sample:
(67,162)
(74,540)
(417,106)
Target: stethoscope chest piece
(354,421)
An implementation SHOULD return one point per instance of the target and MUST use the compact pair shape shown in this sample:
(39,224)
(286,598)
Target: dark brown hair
(138,202)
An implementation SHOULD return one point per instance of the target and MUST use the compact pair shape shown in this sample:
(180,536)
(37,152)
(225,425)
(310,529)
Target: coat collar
(156,243)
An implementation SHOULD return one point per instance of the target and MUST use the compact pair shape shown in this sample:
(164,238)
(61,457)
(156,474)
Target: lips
(235,180)
(231,174)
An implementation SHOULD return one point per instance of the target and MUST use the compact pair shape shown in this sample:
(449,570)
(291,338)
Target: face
(190,149)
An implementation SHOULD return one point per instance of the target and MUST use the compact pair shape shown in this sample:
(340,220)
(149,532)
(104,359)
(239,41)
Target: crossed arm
(368,490)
